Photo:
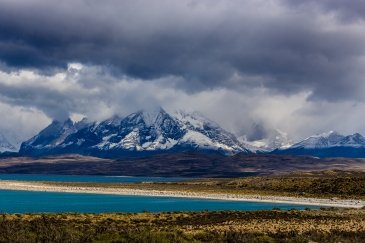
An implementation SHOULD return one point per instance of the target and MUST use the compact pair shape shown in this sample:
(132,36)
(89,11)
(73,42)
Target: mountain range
(140,133)
(331,144)
(157,131)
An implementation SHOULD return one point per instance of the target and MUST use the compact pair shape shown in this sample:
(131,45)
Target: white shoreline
(44,187)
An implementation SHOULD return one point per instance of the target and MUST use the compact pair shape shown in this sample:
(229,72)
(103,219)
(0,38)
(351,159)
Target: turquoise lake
(32,202)
(38,202)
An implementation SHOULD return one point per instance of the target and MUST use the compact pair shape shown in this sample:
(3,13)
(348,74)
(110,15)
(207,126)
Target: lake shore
(44,187)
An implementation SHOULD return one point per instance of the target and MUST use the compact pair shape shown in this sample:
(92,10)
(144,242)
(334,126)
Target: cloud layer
(277,62)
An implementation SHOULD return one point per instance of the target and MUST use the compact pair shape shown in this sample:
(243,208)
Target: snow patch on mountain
(331,139)
(323,140)
(356,140)
(204,133)
(193,120)
(197,139)
(131,141)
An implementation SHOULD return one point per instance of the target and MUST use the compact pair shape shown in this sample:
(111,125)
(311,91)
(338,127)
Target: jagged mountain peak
(329,134)
(277,141)
(354,140)
(56,126)
(194,119)
(206,134)
(157,122)
(152,116)
(53,135)
(329,144)
(357,135)
(322,140)
(145,130)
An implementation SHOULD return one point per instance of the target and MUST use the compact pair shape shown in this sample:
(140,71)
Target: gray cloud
(280,64)
(32,97)
(347,10)
(21,123)
(79,90)
(207,44)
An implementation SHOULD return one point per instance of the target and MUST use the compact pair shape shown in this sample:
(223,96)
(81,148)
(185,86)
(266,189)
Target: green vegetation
(327,225)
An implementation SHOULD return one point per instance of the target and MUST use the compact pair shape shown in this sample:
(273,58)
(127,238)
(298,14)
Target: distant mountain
(274,139)
(5,145)
(331,144)
(140,133)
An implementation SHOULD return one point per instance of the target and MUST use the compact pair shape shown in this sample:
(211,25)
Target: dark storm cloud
(79,90)
(54,104)
(235,44)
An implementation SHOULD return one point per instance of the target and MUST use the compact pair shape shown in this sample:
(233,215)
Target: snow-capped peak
(193,119)
(206,134)
(54,134)
(150,116)
(325,135)
(331,139)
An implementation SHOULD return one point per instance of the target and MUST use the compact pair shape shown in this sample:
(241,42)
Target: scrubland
(326,225)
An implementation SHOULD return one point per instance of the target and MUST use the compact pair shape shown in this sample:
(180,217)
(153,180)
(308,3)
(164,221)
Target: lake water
(32,202)
(85,178)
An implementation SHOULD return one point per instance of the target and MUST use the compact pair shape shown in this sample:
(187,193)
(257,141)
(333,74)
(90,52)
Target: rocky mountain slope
(142,132)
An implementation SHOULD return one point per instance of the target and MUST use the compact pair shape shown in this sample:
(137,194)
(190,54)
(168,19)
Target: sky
(293,65)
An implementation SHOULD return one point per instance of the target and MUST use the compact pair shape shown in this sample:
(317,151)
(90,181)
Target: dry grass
(329,225)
